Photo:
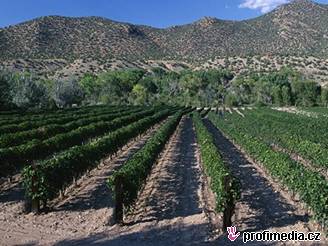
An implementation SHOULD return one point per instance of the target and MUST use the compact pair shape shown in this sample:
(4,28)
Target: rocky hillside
(312,68)
(299,28)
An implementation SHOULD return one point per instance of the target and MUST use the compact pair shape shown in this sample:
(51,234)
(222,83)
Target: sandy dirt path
(294,110)
(263,206)
(170,208)
(87,208)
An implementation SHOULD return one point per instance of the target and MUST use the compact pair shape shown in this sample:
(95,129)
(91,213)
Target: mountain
(297,28)
(65,37)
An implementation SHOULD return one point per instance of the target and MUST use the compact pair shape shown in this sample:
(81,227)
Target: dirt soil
(294,110)
(172,209)
(263,204)
(86,209)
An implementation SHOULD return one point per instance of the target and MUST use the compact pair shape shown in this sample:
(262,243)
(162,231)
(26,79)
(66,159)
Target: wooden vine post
(229,208)
(118,213)
(35,203)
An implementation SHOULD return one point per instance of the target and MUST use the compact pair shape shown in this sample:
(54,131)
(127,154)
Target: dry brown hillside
(295,35)
(298,28)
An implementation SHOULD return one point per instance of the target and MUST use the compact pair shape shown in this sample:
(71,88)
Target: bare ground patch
(86,209)
(264,204)
(171,208)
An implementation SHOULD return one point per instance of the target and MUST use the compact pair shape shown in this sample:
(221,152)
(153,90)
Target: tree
(67,93)
(28,92)
(324,97)
(243,89)
(5,99)
(231,100)
(148,83)
(190,84)
(112,90)
(286,95)
(158,72)
(139,94)
(129,78)
(263,92)
(90,87)
(277,95)
(305,93)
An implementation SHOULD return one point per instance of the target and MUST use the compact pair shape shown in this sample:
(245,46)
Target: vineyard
(160,175)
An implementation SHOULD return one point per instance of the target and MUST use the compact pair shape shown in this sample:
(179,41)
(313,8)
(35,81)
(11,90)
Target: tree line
(139,87)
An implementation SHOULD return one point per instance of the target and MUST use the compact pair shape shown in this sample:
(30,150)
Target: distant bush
(209,88)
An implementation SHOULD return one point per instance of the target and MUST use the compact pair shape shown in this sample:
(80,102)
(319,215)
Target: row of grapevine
(8,113)
(11,114)
(44,180)
(28,125)
(312,187)
(293,136)
(223,184)
(43,115)
(127,181)
(309,128)
(15,157)
(47,131)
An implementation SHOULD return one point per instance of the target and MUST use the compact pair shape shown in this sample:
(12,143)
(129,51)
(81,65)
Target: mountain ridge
(292,2)
(296,28)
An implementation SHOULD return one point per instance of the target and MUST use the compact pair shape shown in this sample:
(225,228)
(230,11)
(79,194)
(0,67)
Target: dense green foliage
(49,130)
(285,87)
(45,179)
(306,136)
(311,186)
(186,88)
(135,171)
(17,156)
(18,116)
(215,168)
(16,125)
(205,88)
(5,99)
(160,86)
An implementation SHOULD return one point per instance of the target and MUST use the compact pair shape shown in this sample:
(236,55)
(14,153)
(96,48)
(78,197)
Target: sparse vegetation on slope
(300,27)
